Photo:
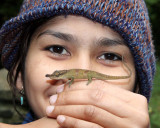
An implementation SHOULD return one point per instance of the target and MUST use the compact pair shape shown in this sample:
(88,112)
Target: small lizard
(84,74)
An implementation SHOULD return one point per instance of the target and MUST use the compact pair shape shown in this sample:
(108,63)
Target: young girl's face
(73,42)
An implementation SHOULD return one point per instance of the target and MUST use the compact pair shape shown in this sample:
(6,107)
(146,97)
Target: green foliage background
(155,100)
(10,8)
(154,13)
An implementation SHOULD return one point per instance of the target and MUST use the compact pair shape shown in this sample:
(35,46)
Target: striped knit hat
(128,17)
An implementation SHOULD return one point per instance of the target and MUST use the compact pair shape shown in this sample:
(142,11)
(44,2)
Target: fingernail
(53,99)
(61,119)
(60,88)
(49,109)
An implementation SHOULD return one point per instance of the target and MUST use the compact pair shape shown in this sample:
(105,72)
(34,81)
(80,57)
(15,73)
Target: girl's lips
(52,82)
(57,82)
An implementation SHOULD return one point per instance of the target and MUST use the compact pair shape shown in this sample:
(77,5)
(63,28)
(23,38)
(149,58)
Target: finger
(107,86)
(86,112)
(112,90)
(70,122)
(96,98)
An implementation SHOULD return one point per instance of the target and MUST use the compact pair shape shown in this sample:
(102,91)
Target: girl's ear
(19,82)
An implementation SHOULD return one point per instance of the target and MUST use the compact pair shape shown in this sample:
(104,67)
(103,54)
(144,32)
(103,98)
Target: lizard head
(58,74)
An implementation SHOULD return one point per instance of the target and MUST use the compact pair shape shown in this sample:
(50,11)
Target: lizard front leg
(70,81)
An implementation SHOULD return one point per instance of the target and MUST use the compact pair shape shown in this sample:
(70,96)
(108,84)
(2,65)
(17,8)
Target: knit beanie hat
(128,17)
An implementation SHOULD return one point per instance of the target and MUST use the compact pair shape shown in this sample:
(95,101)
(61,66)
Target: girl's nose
(82,61)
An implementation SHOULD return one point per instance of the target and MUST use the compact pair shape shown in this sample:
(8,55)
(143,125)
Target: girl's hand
(41,123)
(98,105)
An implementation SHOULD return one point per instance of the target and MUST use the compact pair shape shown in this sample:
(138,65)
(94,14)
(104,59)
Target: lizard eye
(56,73)
(62,72)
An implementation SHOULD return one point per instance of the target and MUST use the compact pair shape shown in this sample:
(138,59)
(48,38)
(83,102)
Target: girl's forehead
(72,22)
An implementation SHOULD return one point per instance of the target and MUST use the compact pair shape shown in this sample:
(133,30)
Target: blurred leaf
(155,100)
(152,1)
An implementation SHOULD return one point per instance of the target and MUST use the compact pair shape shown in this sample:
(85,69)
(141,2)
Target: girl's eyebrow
(60,35)
(104,41)
(110,42)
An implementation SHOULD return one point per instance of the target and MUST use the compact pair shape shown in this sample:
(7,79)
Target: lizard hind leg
(89,80)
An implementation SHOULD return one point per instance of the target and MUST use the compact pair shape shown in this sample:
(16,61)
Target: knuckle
(90,111)
(142,99)
(145,121)
(95,126)
(99,84)
(62,98)
(138,124)
(97,96)
(75,124)
(141,122)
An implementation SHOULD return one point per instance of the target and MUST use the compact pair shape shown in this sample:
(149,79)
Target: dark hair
(19,63)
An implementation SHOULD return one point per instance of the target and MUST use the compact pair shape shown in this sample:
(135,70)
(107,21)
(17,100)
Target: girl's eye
(110,58)
(58,50)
